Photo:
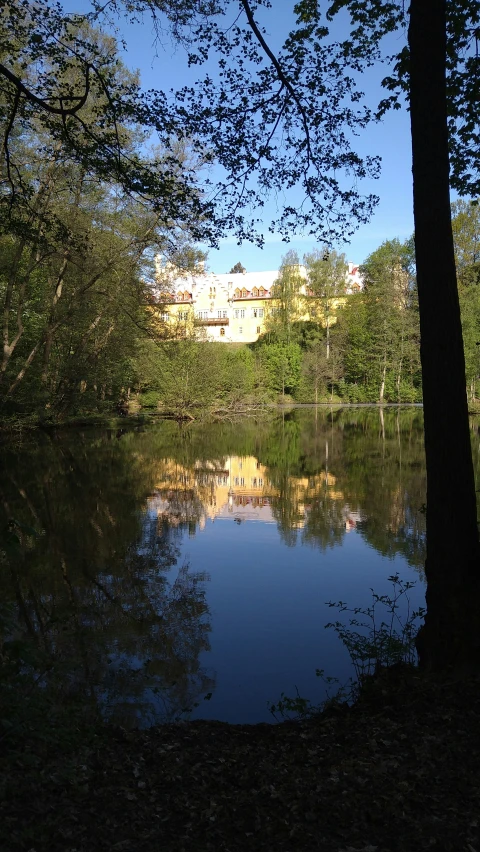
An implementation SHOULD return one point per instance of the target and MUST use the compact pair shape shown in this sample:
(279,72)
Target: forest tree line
(364,347)
(85,338)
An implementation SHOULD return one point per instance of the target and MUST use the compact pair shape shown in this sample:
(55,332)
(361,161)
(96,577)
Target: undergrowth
(376,637)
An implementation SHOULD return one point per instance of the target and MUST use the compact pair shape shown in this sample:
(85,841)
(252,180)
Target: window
(224,314)
(244,293)
(240,330)
(260,313)
(260,482)
(184,315)
(254,313)
(262,291)
(164,317)
(237,293)
(258,329)
(222,332)
(242,314)
(255,292)
(242,480)
(237,313)
(219,313)
(254,482)
(237,481)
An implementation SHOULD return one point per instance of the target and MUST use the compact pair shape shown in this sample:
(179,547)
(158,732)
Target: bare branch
(281,74)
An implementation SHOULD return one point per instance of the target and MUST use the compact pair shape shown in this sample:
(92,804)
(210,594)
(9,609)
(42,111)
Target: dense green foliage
(87,342)
(85,206)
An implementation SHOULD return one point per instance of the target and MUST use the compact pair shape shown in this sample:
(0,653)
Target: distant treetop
(237,268)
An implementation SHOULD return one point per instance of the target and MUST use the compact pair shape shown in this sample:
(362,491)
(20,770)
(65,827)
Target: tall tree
(327,282)
(466,237)
(76,239)
(287,304)
(389,294)
(451,634)
(466,234)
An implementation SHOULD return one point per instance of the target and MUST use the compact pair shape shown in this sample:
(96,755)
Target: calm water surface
(179,562)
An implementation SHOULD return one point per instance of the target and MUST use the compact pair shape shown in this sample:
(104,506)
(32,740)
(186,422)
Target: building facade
(232,307)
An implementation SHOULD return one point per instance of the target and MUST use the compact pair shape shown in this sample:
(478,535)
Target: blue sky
(164,67)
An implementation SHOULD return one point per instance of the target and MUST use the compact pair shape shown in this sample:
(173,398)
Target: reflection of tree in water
(99,593)
(375,461)
(325,521)
(178,508)
(285,507)
(155,669)
(95,594)
(326,470)
(385,468)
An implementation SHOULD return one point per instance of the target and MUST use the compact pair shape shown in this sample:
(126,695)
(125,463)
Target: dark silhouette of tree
(450,634)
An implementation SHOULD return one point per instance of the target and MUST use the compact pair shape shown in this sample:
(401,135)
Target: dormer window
(262,291)
(244,293)
(237,293)
(255,292)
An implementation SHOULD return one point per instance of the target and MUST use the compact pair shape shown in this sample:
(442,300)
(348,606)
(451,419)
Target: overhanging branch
(280,72)
(42,102)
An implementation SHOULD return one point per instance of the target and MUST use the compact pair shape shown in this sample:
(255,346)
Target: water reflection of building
(351,519)
(239,489)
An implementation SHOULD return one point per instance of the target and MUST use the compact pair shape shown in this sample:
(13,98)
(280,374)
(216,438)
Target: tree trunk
(451,632)
(57,293)
(382,383)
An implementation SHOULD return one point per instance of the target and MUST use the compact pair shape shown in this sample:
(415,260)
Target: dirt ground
(398,772)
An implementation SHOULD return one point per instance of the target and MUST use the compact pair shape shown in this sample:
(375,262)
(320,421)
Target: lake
(183,571)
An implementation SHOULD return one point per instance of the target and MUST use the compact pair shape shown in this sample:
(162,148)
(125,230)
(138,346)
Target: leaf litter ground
(397,772)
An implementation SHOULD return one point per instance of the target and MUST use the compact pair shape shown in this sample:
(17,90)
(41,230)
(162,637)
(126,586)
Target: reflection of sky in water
(267,604)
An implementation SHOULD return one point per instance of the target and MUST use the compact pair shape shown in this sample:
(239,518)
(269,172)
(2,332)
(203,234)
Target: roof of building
(230,281)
